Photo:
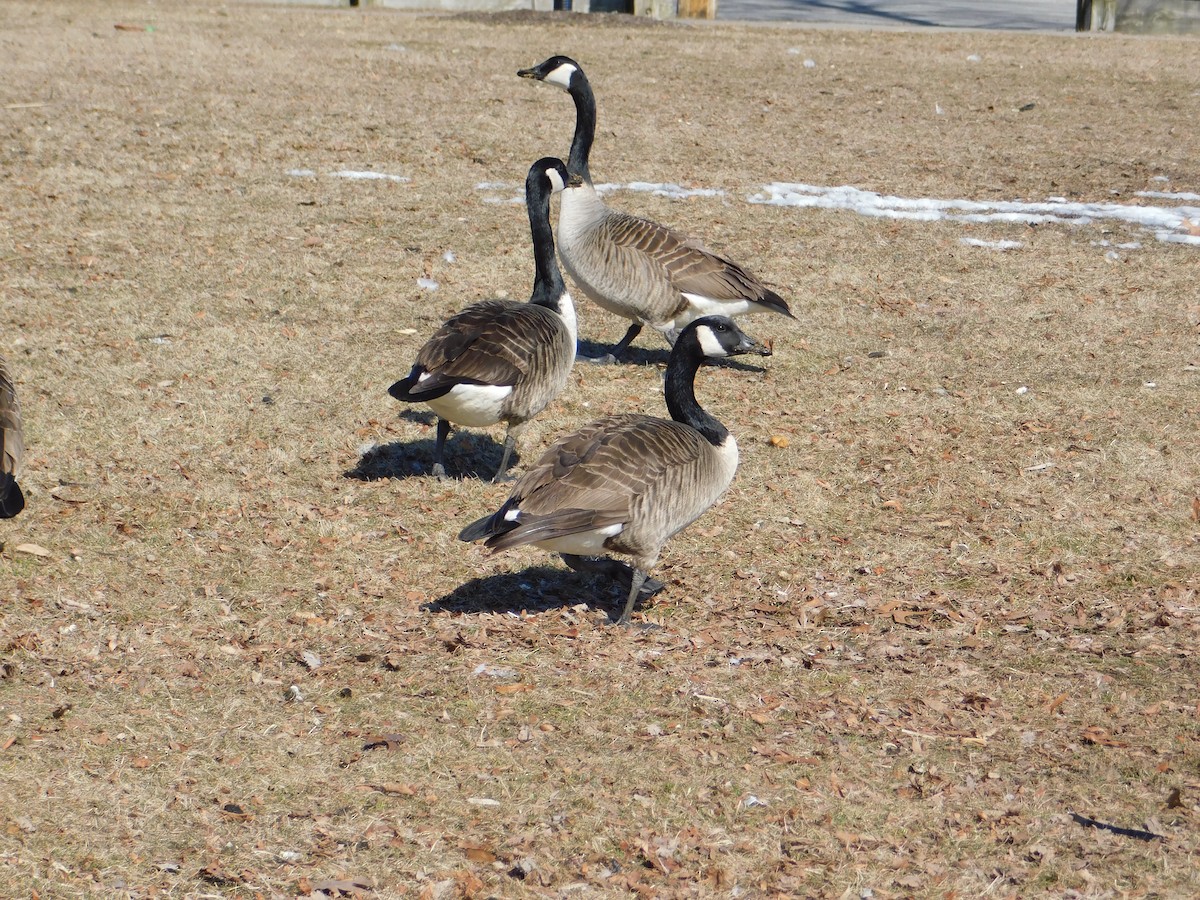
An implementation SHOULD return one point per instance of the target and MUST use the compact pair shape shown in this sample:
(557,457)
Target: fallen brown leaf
(394,787)
(478,852)
(383,741)
(514,688)
(1094,734)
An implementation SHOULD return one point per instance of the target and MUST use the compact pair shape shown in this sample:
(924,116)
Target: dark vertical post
(1083,15)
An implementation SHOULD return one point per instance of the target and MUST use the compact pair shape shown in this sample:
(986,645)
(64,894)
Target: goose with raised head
(633,267)
(627,483)
(12,446)
(502,360)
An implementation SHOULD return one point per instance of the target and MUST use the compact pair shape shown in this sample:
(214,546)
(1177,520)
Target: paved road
(1019,15)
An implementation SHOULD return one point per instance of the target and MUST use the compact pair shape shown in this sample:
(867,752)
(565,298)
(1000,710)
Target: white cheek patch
(556,181)
(561,76)
(709,343)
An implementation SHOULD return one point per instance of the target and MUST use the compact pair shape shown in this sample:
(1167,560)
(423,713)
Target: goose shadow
(639,356)
(535,589)
(586,350)
(469,454)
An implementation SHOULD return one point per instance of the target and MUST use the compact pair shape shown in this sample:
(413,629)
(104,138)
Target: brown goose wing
(491,342)
(690,266)
(593,477)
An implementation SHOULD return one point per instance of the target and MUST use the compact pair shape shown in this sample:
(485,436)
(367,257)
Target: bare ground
(935,627)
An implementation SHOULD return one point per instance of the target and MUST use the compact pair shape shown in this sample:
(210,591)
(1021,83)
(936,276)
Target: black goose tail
(402,389)
(406,389)
(12,501)
(775,303)
(488,527)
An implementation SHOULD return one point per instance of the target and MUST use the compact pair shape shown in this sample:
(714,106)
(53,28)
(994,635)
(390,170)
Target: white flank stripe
(588,543)
(473,405)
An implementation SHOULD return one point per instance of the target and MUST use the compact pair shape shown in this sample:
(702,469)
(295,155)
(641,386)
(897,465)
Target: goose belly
(473,405)
(586,543)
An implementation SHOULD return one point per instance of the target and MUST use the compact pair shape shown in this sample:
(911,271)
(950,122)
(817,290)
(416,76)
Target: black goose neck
(548,286)
(585,125)
(680,394)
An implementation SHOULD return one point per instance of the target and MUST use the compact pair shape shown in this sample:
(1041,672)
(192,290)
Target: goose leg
(612,569)
(510,441)
(439,450)
(635,588)
(618,349)
(623,344)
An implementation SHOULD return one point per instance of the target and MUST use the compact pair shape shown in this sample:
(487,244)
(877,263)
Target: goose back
(492,344)
(623,484)
(649,273)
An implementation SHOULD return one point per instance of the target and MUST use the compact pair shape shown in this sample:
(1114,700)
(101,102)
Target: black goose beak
(574,179)
(751,345)
(528,73)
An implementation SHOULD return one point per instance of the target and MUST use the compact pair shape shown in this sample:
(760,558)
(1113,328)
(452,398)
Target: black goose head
(550,172)
(715,337)
(557,70)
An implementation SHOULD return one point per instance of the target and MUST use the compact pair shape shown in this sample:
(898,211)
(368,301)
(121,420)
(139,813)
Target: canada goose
(500,360)
(12,447)
(627,483)
(638,269)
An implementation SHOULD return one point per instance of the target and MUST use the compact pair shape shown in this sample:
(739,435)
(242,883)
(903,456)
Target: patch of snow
(368,176)
(493,671)
(991,245)
(1164,222)
(673,191)
(351,174)
(1167,195)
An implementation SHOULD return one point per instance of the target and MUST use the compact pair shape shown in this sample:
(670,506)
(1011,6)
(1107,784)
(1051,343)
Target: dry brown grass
(896,658)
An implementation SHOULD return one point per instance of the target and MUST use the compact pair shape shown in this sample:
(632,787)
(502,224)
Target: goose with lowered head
(633,267)
(501,360)
(627,483)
